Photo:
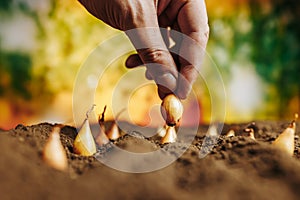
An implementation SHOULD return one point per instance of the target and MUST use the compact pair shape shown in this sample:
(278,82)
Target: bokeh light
(255,44)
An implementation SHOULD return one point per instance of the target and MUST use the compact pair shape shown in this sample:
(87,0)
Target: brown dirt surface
(236,168)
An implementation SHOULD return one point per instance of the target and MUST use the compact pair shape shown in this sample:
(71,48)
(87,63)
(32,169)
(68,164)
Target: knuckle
(206,31)
(153,56)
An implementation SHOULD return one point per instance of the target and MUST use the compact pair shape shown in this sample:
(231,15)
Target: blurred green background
(255,44)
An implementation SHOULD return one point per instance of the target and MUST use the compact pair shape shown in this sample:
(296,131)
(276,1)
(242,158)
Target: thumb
(155,56)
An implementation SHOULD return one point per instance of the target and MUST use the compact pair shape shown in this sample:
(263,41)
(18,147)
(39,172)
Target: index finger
(194,12)
(146,36)
(193,45)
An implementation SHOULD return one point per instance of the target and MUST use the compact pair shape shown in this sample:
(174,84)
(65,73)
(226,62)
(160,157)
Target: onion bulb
(84,143)
(285,141)
(171,109)
(54,153)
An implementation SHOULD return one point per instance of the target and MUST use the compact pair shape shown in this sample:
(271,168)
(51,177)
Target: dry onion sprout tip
(89,111)
(101,119)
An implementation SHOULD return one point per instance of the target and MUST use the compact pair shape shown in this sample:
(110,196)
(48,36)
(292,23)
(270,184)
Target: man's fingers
(186,79)
(146,36)
(155,56)
(195,13)
(148,75)
(161,67)
(133,61)
(164,82)
(193,44)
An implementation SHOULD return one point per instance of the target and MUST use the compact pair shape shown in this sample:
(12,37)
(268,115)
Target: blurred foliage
(230,29)
(32,76)
(275,42)
(15,70)
(266,35)
(5,5)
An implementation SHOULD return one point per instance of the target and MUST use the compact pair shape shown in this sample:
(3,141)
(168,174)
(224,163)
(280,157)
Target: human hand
(141,19)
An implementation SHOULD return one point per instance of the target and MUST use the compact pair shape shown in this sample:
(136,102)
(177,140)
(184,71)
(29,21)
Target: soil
(236,168)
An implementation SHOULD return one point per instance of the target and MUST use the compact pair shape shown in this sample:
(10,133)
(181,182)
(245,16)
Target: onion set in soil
(230,133)
(54,153)
(285,141)
(101,138)
(113,132)
(84,143)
